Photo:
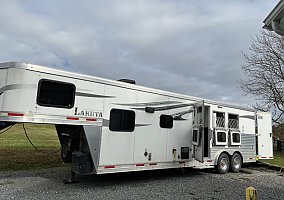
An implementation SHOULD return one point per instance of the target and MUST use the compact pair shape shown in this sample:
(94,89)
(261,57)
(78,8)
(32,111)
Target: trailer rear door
(264,135)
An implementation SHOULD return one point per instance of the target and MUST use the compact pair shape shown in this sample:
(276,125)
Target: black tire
(223,164)
(236,163)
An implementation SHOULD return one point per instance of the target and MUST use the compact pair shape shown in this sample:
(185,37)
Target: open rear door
(198,131)
(264,135)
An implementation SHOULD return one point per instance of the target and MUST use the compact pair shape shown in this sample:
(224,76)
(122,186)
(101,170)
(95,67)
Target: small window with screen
(233,121)
(220,137)
(166,121)
(55,94)
(235,138)
(219,119)
(122,120)
(195,136)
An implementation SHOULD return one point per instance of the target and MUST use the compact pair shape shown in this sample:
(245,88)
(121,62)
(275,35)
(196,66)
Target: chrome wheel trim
(224,164)
(237,162)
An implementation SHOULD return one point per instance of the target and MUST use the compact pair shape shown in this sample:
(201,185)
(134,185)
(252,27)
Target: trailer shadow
(140,177)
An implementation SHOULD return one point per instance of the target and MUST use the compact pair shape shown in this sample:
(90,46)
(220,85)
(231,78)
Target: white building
(275,20)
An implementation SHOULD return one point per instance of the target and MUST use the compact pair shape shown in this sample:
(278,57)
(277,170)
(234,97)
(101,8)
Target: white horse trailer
(107,126)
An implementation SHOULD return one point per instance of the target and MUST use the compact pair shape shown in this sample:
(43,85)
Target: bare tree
(264,70)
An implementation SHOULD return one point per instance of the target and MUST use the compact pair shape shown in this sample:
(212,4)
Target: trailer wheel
(223,164)
(236,162)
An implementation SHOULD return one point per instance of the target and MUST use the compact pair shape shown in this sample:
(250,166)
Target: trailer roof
(63,73)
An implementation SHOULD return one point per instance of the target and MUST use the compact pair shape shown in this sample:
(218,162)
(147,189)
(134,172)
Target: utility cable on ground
(34,145)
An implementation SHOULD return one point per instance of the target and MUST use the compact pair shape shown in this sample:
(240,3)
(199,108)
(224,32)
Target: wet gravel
(160,184)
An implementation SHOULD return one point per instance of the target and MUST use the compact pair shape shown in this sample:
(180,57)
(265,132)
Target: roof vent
(127,81)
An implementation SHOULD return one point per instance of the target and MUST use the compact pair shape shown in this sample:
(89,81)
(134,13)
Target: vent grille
(220,122)
(233,123)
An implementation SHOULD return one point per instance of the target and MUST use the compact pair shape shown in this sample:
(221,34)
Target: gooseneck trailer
(107,126)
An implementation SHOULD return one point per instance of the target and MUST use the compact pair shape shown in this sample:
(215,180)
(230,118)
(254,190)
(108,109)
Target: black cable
(34,145)
(7,129)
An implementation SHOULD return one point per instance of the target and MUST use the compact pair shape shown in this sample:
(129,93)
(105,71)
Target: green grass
(278,159)
(17,153)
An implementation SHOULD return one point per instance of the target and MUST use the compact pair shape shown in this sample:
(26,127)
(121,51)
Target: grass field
(278,159)
(17,153)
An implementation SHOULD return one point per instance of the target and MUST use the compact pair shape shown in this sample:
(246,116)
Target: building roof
(275,20)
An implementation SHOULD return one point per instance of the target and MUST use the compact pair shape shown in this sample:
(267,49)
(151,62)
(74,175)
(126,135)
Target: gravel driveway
(162,184)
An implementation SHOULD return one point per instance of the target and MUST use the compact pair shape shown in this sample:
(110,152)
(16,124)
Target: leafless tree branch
(264,70)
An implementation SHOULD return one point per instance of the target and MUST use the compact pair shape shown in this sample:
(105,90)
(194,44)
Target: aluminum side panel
(247,148)
(93,138)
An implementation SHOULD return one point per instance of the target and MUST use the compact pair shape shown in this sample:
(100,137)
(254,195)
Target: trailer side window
(219,119)
(122,120)
(220,137)
(233,121)
(55,94)
(235,137)
(195,136)
(166,121)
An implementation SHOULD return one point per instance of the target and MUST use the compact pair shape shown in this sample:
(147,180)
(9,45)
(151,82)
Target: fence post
(251,193)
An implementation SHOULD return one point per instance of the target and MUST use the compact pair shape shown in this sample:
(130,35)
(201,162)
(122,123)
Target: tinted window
(55,94)
(195,135)
(236,137)
(221,137)
(166,121)
(122,120)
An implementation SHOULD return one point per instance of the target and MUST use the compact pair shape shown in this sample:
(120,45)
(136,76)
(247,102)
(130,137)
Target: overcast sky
(184,46)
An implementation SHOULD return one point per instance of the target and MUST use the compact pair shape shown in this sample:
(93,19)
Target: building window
(166,121)
(55,94)
(122,120)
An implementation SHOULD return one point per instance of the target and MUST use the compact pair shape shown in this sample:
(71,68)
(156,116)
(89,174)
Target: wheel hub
(237,162)
(224,164)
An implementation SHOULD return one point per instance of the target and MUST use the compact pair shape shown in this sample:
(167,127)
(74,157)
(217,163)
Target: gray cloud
(189,47)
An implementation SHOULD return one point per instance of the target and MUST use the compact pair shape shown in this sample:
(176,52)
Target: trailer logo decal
(162,108)
(248,117)
(17,86)
(106,124)
(150,103)
(92,95)
(88,113)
